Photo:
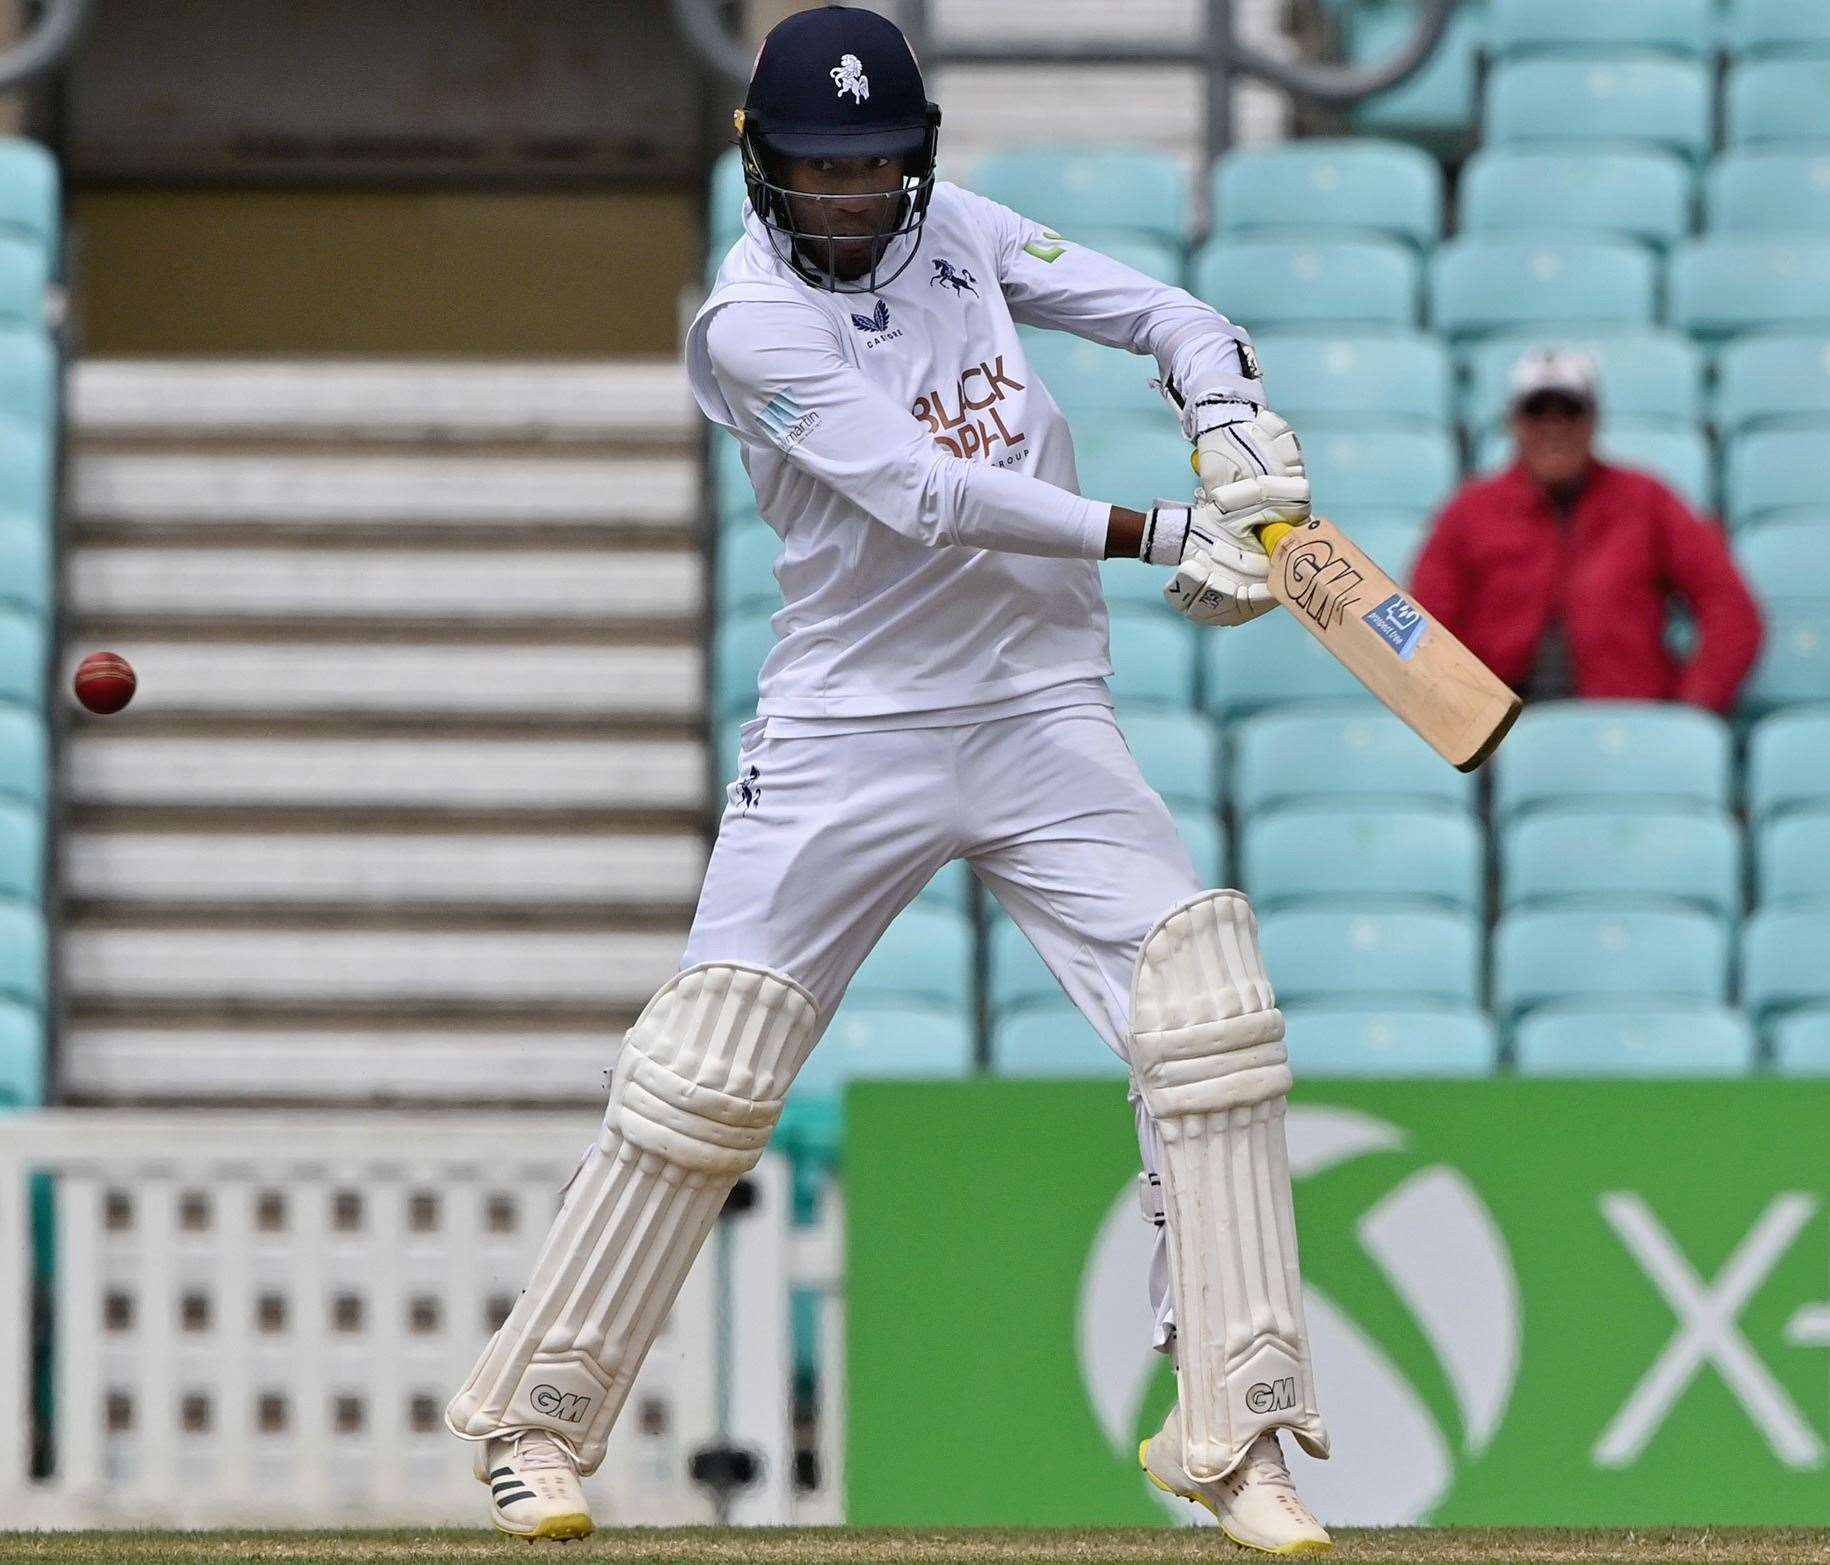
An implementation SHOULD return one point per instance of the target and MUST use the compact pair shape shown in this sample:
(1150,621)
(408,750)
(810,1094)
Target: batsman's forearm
(1124,534)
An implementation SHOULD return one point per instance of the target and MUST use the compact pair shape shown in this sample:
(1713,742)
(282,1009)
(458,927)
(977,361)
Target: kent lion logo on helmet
(850,77)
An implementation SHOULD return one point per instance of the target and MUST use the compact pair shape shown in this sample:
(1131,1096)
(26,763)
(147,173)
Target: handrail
(45,46)
(1221,52)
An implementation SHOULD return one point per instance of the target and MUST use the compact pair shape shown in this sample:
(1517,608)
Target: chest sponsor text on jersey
(975,424)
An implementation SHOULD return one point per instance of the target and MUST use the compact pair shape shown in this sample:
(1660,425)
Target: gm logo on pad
(1401,623)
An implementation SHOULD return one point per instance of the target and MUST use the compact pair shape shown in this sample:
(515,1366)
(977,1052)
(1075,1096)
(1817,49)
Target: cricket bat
(1456,704)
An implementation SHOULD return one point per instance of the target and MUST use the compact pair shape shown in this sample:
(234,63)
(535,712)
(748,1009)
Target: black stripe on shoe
(508,1483)
(515,1498)
(503,1472)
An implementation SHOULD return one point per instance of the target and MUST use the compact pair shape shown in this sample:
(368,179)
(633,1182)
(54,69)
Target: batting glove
(1250,465)
(1219,579)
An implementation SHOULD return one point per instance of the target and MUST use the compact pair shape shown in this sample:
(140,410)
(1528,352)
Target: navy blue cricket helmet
(837,82)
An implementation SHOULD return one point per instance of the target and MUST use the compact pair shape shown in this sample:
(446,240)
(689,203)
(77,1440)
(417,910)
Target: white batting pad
(1208,1054)
(697,1089)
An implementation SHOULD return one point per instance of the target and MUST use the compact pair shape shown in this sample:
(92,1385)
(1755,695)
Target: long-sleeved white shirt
(938,558)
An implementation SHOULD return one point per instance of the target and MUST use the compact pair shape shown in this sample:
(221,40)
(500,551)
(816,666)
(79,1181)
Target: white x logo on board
(1709,1331)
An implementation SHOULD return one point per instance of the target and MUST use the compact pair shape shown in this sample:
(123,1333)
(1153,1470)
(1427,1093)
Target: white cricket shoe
(1256,1503)
(533,1487)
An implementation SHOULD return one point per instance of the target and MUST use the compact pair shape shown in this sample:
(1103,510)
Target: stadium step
(415,780)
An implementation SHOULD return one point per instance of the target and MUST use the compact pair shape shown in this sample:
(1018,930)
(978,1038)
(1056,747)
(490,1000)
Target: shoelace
(1267,1463)
(535,1449)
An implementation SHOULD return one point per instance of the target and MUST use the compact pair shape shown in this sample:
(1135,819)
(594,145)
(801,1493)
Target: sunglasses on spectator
(1540,404)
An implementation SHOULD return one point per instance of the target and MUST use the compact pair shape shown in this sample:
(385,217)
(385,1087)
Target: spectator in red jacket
(1561,572)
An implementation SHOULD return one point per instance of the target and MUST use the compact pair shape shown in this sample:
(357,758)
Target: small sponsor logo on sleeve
(786,422)
(1400,623)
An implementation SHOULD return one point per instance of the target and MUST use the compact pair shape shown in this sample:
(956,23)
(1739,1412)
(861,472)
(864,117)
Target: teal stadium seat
(924,957)
(1317,186)
(1130,585)
(1770,192)
(21,851)
(1777,27)
(1078,190)
(1776,475)
(725,204)
(1644,194)
(24,276)
(1179,755)
(1205,844)
(1352,471)
(1777,379)
(1092,382)
(1373,379)
(1655,102)
(25,564)
(24,754)
(1153,658)
(1158,258)
(1392,545)
(1051,1039)
(746,570)
(1403,956)
(1782,960)
(1356,756)
(1323,285)
(732,495)
(1436,105)
(28,375)
(1801,1044)
(1014,974)
(1651,375)
(1571,955)
(1328,855)
(1793,853)
(1778,102)
(1679,456)
(1786,561)
(29,205)
(1650,1040)
(22,954)
(26,456)
(739,647)
(1794,666)
(1274,663)
(951,887)
(1522,27)
(1721,287)
(1788,763)
(21,1056)
(1487,284)
(1132,461)
(1582,855)
(1390,1042)
(887,1041)
(23,651)
(1613,754)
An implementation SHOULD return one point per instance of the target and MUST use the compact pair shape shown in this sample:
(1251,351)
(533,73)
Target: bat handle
(1274,533)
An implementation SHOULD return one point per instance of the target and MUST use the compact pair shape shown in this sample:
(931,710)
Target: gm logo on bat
(1400,623)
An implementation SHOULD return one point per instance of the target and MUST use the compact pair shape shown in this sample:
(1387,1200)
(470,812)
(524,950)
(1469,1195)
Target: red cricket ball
(105,682)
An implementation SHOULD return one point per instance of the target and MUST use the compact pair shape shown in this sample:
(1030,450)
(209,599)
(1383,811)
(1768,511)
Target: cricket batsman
(938,691)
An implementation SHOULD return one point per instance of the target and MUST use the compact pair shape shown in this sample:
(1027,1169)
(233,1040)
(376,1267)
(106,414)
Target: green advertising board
(1532,1303)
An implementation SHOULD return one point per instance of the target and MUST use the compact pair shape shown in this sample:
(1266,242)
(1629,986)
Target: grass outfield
(716,1546)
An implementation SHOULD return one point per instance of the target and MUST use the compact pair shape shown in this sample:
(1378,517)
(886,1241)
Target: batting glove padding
(1250,465)
(1219,579)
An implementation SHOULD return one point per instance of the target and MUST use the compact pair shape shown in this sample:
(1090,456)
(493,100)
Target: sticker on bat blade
(1400,624)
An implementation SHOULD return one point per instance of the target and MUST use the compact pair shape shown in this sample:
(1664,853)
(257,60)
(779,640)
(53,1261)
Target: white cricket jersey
(939,562)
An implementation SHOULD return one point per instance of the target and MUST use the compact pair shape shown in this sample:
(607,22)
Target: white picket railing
(258,1318)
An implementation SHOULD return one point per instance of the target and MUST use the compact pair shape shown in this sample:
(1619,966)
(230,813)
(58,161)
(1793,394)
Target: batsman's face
(1555,439)
(847,206)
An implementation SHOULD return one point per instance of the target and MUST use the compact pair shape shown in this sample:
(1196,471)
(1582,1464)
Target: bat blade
(1410,661)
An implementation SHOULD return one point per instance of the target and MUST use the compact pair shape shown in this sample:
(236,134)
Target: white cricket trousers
(825,840)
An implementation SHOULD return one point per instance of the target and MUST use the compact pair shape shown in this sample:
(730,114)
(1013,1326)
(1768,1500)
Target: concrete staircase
(410,804)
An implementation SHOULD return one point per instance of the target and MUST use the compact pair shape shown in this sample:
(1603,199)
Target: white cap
(1567,371)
